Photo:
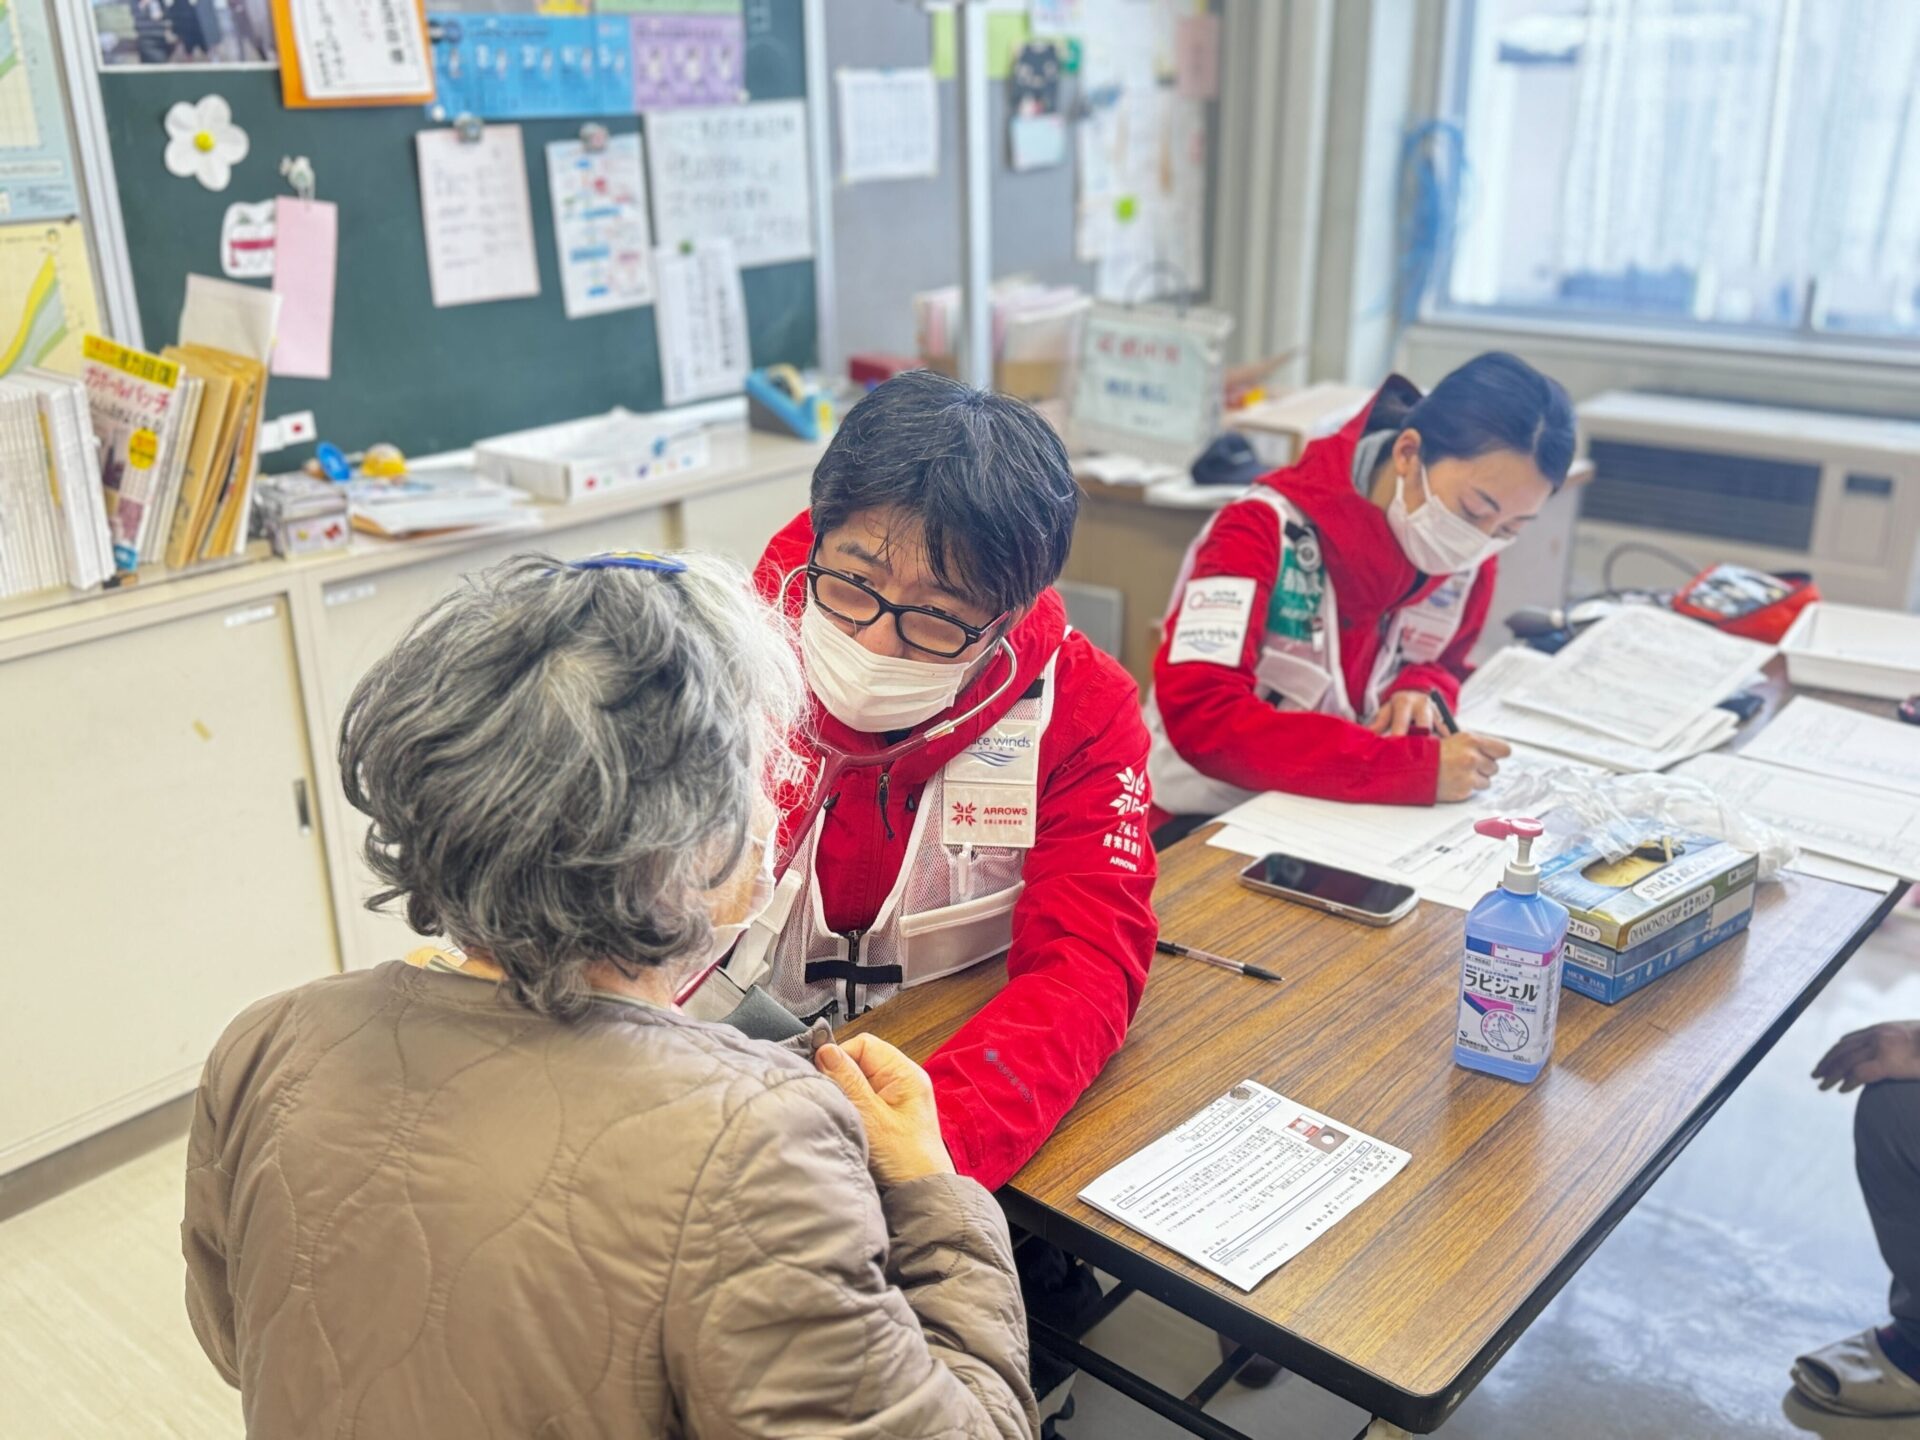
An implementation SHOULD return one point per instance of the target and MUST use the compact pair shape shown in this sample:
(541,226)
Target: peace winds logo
(997,759)
(1133,792)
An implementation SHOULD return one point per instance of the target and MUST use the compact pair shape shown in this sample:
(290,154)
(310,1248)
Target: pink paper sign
(306,243)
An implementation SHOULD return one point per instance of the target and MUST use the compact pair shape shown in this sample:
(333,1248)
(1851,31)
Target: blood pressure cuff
(752,1012)
(761,1017)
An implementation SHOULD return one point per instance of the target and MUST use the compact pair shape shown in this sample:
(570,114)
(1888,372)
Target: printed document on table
(1833,740)
(1484,711)
(1433,848)
(1642,674)
(473,199)
(1246,1184)
(1869,825)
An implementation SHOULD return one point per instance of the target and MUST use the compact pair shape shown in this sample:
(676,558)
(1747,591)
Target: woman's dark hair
(1493,402)
(985,478)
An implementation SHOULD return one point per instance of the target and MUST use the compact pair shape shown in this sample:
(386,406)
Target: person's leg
(1877,1372)
(1062,1292)
(1886,1154)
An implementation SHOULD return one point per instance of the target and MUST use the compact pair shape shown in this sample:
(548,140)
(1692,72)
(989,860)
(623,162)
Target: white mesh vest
(1297,673)
(951,905)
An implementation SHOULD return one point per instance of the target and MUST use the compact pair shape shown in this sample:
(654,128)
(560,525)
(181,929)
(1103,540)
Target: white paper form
(702,319)
(1642,674)
(473,199)
(1868,825)
(1832,740)
(733,172)
(361,49)
(1845,872)
(1247,1184)
(1432,848)
(600,225)
(1485,711)
(889,125)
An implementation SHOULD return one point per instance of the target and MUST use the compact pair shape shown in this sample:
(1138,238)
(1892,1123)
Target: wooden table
(1405,1305)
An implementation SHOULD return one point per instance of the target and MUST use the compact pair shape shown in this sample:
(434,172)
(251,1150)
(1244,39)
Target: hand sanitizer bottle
(1510,973)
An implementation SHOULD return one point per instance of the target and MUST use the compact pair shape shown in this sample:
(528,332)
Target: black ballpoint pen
(1446,713)
(1253,972)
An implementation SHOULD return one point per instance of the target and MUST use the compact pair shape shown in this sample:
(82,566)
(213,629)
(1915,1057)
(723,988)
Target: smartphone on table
(1327,887)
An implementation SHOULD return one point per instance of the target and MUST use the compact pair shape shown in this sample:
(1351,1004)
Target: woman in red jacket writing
(1314,615)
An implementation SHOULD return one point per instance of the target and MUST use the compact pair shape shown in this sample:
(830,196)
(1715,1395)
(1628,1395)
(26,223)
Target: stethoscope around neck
(836,761)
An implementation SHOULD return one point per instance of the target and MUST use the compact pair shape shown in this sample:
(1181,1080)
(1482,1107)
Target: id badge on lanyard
(990,791)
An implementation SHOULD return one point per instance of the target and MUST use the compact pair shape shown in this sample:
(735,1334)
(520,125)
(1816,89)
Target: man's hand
(1879,1052)
(1403,712)
(894,1100)
(1468,763)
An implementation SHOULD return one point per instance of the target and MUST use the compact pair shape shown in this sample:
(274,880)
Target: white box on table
(580,458)
(1854,648)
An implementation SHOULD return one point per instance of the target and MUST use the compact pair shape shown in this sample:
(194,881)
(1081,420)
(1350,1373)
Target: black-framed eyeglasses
(848,598)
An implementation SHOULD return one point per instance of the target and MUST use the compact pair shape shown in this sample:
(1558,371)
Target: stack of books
(142,460)
(53,522)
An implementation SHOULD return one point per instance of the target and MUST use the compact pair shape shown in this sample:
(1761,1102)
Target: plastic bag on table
(1619,813)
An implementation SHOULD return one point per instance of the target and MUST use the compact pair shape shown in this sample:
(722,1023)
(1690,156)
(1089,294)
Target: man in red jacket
(976,784)
(1314,614)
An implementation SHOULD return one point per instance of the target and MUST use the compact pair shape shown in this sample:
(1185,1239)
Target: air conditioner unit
(1775,489)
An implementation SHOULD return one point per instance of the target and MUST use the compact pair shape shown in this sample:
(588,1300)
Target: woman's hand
(1403,712)
(1468,763)
(1879,1052)
(894,1100)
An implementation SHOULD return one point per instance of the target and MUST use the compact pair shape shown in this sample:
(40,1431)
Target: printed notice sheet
(1247,1184)
(735,172)
(889,125)
(600,225)
(701,317)
(473,198)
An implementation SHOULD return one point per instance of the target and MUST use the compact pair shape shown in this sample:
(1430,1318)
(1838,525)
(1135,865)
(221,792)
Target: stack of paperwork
(1432,848)
(1638,691)
(1844,785)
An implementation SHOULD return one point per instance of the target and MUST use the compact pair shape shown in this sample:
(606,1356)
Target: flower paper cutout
(203,141)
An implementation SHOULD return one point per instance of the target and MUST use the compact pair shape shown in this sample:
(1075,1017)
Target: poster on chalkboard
(736,172)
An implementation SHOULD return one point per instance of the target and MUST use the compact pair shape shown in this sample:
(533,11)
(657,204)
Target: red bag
(1749,603)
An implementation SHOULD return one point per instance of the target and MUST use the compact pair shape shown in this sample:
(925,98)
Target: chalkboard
(424,379)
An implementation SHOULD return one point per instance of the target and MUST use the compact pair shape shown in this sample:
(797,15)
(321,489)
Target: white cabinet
(358,621)
(740,519)
(160,868)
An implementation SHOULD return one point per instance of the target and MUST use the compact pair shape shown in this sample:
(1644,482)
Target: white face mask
(759,897)
(867,692)
(1435,539)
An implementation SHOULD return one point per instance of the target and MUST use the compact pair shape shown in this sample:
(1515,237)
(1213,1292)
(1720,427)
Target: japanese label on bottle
(1508,1001)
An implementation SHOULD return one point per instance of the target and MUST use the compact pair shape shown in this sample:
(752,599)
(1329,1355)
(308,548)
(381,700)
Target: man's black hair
(982,475)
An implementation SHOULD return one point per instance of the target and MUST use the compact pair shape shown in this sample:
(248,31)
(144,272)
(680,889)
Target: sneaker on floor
(1855,1377)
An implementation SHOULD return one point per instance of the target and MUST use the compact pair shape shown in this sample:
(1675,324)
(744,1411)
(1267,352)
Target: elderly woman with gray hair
(510,1189)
